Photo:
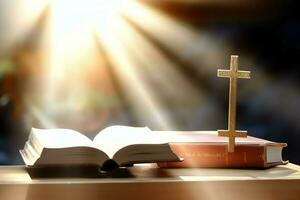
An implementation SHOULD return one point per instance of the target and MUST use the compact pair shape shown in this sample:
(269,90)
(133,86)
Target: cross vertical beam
(233,93)
(233,74)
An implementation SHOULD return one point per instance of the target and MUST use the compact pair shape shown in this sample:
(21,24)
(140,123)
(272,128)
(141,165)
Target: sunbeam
(197,48)
(146,75)
(125,67)
(17,27)
(75,67)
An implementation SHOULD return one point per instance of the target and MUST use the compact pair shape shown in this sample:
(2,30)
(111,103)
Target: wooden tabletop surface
(144,173)
(144,182)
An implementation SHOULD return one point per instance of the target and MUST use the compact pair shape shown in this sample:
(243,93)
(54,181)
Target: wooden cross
(233,74)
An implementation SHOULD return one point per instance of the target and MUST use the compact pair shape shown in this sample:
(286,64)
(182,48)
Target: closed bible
(207,149)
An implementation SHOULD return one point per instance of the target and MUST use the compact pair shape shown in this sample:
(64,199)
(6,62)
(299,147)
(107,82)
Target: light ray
(160,75)
(145,104)
(154,65)
(197,48)
(20,18)
(148,78)
(75,66)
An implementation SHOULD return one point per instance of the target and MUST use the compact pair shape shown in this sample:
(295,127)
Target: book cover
(207,149)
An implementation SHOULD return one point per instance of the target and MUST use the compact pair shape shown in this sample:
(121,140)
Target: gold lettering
(199,154)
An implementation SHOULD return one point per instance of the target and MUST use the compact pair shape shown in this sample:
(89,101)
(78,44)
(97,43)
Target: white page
(114,138)
(60,138)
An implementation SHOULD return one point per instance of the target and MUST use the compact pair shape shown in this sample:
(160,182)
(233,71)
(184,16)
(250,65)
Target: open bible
(112,147)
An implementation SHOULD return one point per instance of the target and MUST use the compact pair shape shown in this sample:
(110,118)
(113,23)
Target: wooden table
(144,182)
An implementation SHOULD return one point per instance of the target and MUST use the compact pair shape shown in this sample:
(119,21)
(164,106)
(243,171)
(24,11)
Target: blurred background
(89,64)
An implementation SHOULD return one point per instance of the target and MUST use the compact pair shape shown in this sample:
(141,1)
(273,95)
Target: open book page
(60,138)
(114,138)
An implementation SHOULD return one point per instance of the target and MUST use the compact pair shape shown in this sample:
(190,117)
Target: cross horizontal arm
(226,133)
(244,74)
(224,73)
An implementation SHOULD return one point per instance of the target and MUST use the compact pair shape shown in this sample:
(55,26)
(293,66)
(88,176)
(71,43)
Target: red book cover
(207,149)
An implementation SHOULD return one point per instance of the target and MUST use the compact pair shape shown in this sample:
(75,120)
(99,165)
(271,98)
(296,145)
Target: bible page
(112,139)
(59,138)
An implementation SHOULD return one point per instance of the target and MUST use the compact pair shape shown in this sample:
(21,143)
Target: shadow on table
(95,172)
(153,172)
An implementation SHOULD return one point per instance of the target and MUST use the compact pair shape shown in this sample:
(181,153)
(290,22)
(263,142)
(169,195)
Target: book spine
(216,155)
